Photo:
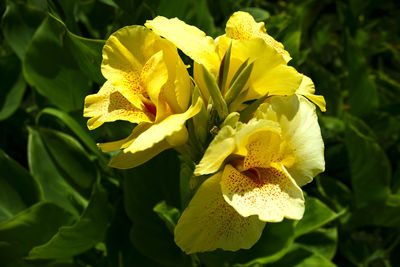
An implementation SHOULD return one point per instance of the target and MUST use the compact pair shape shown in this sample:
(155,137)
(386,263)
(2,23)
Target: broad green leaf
(32,227)
(200,16)
(87,54)
(369,166)
(292,43)
(120,250)
(363,95)
(274,243)
(13,85)
(321,241)
(82,133)
(53,186)
(13,98)
(51,70)
(316,215)
(168,214)
(70,157)
(10,201)
(300,257)
(257,13)
(173,8)
(19,25)
(379,214)
(334,192)
(18,189)
(82,235)
(144,187)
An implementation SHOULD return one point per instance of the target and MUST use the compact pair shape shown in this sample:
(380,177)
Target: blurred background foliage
(60,205)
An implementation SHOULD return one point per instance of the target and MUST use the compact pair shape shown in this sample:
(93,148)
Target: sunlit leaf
(82,235)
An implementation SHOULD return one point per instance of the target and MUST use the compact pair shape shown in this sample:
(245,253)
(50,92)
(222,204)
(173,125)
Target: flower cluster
(253,123)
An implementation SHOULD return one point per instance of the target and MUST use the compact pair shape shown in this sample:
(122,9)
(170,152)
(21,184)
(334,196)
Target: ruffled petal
(126,160)
(247,133)
(209,223)
(300,130)
(269,193)
(262,149)
(192,41)
(110,105)
(307,89)
(166,128)
(270,73)
(242,26)
(121,144)
(218,150)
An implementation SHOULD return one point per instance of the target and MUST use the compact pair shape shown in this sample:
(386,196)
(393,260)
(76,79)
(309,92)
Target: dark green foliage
(61,205)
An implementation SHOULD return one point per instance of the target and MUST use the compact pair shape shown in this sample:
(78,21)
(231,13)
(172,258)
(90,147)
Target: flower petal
(218,150)
(270,73)
(242,26)
(127,160)
(209,223)
(166,128)
(192,41)
(271,193)
(253,128)
(121,144)
(300,130)
(125,53)
(262,149)
(110,105)
(307,89)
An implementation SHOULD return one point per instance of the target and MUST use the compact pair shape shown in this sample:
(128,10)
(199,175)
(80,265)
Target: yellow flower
(148,84)
(250,43)
(258,169)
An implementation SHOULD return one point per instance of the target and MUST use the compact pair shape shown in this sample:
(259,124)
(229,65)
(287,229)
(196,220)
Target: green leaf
(82,133)
(369,166)
(316,215)
(19,24)
(250,109)
(321,241)
(185,175)
(238,84)
(334,192)
(144,187)
(82,235)
(30,228)
(70,157)
(257,13)
(18,189)
(363,95)
(13,85)
(13,98)
(53,186)
(275,241)
(300,257)
(87,54)
(173,8)
(218,101)
(224,68)
(168,214)
(51,70)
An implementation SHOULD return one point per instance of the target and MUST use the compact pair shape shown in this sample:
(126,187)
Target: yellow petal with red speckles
(242,26)
(269,193)
(110,105)
(209,223)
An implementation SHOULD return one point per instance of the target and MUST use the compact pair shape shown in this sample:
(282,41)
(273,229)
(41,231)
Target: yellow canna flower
(148,84)
(249,42)
(257,168)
